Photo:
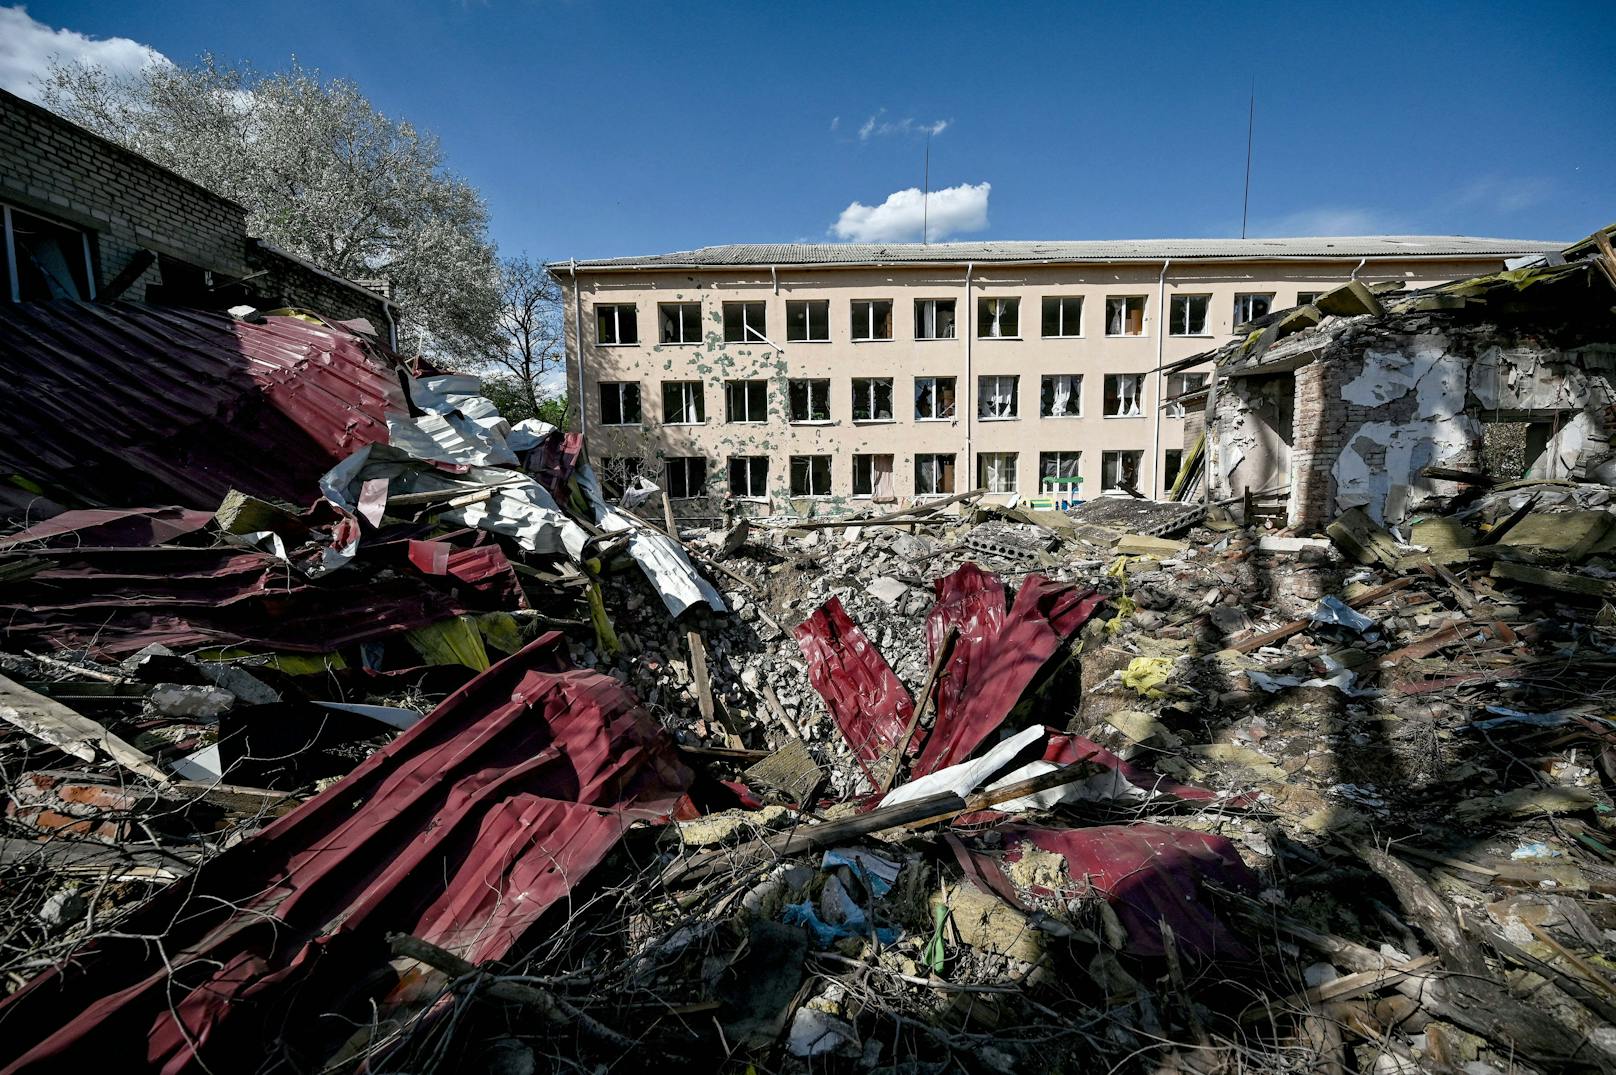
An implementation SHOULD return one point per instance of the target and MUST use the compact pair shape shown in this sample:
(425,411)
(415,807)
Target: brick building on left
(84,218)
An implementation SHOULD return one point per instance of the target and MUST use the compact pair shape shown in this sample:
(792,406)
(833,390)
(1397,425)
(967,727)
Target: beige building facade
(806,379)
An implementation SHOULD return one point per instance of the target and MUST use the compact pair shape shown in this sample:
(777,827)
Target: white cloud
(898,219)
(877,127)
(835,123)
(1504,194)
(27,47)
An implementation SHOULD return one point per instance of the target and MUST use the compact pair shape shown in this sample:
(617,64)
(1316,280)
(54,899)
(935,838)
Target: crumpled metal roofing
(463,832)
(123,403)
(763,255)
(868,701)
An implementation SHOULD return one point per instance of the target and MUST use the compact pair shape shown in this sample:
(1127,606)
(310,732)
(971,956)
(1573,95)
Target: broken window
(617,324)
(52,260)
(1119,471)
(1061,395)
(746,401)
(1303,298)
(996,471)
(1056,471)
(872,476)
(934,319)
(996,396)
(934,474)
(934,398)
(1188,315)
(683,403)
(810,475)
(808,321)
(749,476)
(744,322)
(1182,384)
(680,321)
(998,318)
(1516,444)
(1251,307)
(810,400)
(1172,460)
(687,477)
(1123,392)
(872,399)
(1125,315)
(872,319)
(1063,316)
(619,403)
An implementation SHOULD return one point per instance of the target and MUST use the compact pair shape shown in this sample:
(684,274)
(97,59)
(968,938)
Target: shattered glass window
(872,319)
(934,319)
(934,474)
(745,322)
(683,403)
(810,400)
(617,324)
(872,399)
(934,398)
(1188,315)
(1063,316)
(619,403)
(808,321)
(1251,307)
(749,476)
(810,475)
(680,322)
(1125,315)
(687,476)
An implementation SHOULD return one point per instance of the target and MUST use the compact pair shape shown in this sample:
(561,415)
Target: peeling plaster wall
(1381,405)
(1256,422)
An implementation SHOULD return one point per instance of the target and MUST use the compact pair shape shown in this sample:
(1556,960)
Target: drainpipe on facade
(774,275)
(578,349)
(967,394)
(1161,344)
(1361,264)
(392,326)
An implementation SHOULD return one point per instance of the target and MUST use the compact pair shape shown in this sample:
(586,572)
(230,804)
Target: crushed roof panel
(1358,246)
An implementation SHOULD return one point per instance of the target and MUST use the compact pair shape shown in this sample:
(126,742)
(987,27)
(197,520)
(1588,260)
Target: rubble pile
(460,761)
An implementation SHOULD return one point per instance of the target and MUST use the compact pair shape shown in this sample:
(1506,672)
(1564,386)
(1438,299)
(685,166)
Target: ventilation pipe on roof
(578,350)
(1161,343)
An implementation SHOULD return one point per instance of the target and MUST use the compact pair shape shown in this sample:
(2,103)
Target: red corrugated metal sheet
(463,831)
(870,705)
(111,527)
(988,676)
(1150,873)
(974,601)
(129,404)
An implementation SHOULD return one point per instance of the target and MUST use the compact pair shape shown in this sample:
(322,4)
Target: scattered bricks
(68,803)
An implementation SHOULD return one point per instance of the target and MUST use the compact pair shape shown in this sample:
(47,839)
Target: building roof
(761,255)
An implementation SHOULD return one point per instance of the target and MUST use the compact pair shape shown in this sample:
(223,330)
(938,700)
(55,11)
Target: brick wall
(59,170)
(289,282)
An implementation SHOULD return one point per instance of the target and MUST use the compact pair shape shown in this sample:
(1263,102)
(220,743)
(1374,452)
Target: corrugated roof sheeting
(128,404)
(463,832)
(763,255)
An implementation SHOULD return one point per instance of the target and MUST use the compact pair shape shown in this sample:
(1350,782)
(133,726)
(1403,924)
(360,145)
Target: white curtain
(881,472)
(1063,396)
(1128,393)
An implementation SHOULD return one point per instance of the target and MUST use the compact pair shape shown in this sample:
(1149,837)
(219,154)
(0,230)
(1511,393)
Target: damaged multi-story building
(86,219)
(1395,400)
(805,378)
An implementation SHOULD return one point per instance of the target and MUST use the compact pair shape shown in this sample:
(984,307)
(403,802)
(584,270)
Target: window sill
(949,419)
(811,422)
(1004,418)
(681,343)
(933,496)
(875,421)
(812,496)
(1012,339)
(1189,335)
(935,339)
(790,340)
(872,339)
(747,422)
(1127,335)
(686,424)
(1125,417)
(1080,336)
(636,343)
(751,499)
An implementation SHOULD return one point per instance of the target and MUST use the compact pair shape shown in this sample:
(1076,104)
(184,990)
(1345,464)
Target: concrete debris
(1135,785)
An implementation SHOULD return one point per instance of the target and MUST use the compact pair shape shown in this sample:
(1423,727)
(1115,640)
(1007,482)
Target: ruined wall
(1382,404)
(286,280)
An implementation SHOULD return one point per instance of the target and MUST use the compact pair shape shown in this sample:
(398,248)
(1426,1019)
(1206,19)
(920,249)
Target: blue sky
(598,129)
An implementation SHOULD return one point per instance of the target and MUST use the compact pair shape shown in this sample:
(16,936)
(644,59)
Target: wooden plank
(1279,634)
(1553,580)
(70,731)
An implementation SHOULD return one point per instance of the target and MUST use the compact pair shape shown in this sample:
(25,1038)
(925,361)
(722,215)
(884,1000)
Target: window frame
(808,321)
(953,415)
(1176,409)
(953,324)
(1138,395)
(1243,297)
(936,458)
(750,463)
(639,402)
(730,385)
(1118,453)
(1059,455)
(1014,306)
(685,391)
(761,328)
(685,462)
(1044,381)
(810,461)
(1206,314)
(870,418)
(1172,463)
(870,319)
(982,396)
(865,462)
(1125,299)
(617,309)
(1312,297)
(682,307)
(791,402)
(8,232)
(1014,461)
(1060,302)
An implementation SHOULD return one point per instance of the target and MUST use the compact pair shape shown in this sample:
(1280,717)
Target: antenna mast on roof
(925,197)
(1251,121)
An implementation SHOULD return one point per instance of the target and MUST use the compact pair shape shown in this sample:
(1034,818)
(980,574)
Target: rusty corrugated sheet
(463,831)
(129,404)
(864,695)
(110,527)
